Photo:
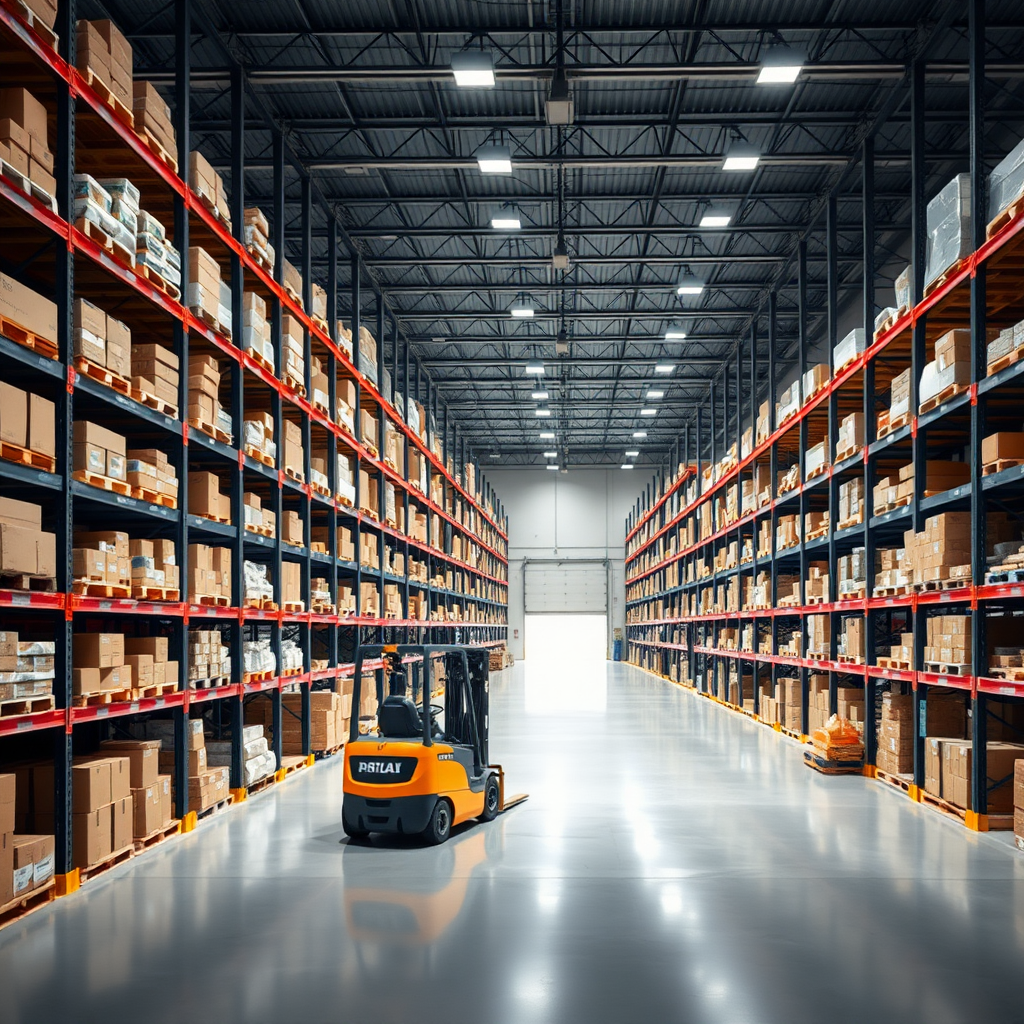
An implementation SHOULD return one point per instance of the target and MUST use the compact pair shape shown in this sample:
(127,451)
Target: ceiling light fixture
(562,342)
(542,412)
(664,367)
(632,455)
(547,435)
(522,308)
(493,159)
(535,369)
(552,465)
(689,285)
(781,66)
(558,107)
(715,219)
(506,222)
(473,69)
(639,433)
(627,465)
(648,412)
(741,157)
(539,396)
(551,455)
(655,395)
(675,333)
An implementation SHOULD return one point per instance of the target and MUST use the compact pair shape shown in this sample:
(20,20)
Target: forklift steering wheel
(435,710)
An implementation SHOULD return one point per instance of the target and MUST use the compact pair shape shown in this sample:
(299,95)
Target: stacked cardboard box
(32,862)
(25,548)
(293,359)
(99,451)
(208,656)
(851,435)
(392,601)
(346,599)
(102,556)
(206,499)
(948,642)
(345,396)
(208,184)
(148,469)
(26,667)
(369,599)
(1018,802)
(102,815)
(896,734)
(147,656)
(155,252)
(256,234)
(1004,446)
(851,644)
(1008,340)
(899,396)
(891,570)
(152,115)
(851,502)
(292,458)
(1001,772)
(205,411)
(292,528)
(291,586)
(319,294)
(815,379)
(103,50)
(98,664)
(292,282)
(24,140)
(154,564)
(818,636)
(328,721)
(27,420)
(256,517)
(319,385)
(31,311)
(368,361)
(101,339)
(155,372)
(209,573)
(258,761)
(318,464)
(787,532)
(203,294)
(256,339)
(151,791)
(942,550)
(258,436)
(816,586)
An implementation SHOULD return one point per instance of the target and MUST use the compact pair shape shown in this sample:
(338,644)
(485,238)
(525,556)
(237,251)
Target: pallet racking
(680,623)
(47,252)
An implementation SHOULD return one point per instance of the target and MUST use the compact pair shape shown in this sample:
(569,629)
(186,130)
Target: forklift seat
(398,717)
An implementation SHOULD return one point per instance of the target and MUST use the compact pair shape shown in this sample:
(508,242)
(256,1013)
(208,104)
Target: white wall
(580,514)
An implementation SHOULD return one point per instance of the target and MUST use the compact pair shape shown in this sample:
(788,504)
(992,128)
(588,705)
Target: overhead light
(562,342)
(535,369)
(495,455)
(664,367)
(689,285)
(552,465)
(655,395)
(551,455)
(639,433)
(558,108)
(632,455)
(506,223)
(741,157)
(494,159)
(355,169)
(539,396)
(547,435)
(781,66)
(626,465)
(648,412)
(521,309)
(560,257)
(677,333)
(541,412)
(715,219)
(473,69)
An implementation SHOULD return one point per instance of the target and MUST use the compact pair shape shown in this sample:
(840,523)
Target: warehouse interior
(511,511)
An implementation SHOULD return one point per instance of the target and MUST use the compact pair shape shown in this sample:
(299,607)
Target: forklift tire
(440,826)
(492,799)
(357,835)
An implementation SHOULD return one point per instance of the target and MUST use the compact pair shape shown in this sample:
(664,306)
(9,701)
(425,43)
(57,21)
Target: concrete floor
(675,862)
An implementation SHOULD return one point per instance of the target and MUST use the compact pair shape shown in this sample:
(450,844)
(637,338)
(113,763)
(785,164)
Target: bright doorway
(565,662)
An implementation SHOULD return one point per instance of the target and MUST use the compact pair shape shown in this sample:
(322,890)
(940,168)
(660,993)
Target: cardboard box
(24,109)
(98,650)
(91,835)
(8,790)
(142,757)
(148,808)
(41,425)
(122,825)
(13,415)
(18,552)
(6,867)
(90,785)
(33,861)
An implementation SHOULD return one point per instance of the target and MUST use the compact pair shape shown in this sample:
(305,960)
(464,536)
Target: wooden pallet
(164,156)
(27,457)
(260,602)
(102,375)
(891,506)
(210,430)
(329,752)
(26,706)
(122,112)
(211,207)
(1005,361)
(894,424)
(260,257)
(1012,675)
(845,524)
(999,465)
(172,828)
(291,763)
(946,276)
(295,384)
(220,805)
(322,324)
(996,822)
(161,284)
(942,669)
(90,588)
(92,700)
(157,404)
(849,659)
(104,483)
(822,531)
(106,242)
(293,295)
(22,905)
(121,856)
(947,393)
(845,453)
(145,593)
(209,684)
(1005,576)
(257,677)
(323,608)
(295,607)
(262,531)
(894,663)
(1011,213)
(260,456)
(261,784)
(225,520)
(154,497)
(953,584)
(296,474)
(903,782)
(209,600)
(29,583)
(827,767)
(26,338)
(47,35)
(369,513)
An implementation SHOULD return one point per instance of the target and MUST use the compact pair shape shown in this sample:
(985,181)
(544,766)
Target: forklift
(424,768)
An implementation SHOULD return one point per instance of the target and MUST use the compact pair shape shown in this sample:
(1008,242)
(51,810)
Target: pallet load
(101,559)
(99,669)
(151,476)
(155,257)
(258,658)
(32,859)
(209,575)
(948,644)
(256,339)
(28,554)
(1018,802)
(99,218)
(103,54)
(849,348)
(1001,451)
(319,386)
(899,404)
(27,317)
(948,229)
(368,354)
(209,186)
(292,280)
(836,743)
(896,734)
(851,503)
(258,591)
(209,659)
(256,235)
(258,438)
(24,138)
(151,791)
(100,457)
(26,674)
(345,395)
(27,428)
(291,587)
(941,552)
(153,121)
(948,373)
(258,760)
(203,294)
(205,411)
(328,721)
(102,818)
(293,353)
(292,458)
(155,377)
(102,346)
(1001,770)
(154,567)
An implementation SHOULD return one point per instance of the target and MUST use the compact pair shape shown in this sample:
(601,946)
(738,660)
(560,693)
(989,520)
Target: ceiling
(662,89)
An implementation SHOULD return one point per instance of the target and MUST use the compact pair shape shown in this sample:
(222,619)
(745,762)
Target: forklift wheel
(440,827)
(492,799)
(357,835)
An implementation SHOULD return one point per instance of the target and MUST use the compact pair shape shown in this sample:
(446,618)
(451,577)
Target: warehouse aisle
(675,863)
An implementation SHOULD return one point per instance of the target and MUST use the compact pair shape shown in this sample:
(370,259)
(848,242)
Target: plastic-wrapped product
(149,224)
(124,214)
(849,348)
(903,287)
(934,381)
(1006,182)
(86,209)
(291,655)
(124,190)
(257,584)
(87,187)
(949,227)
(884,315)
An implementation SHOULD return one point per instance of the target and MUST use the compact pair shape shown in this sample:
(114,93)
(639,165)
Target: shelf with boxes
(857,549)
(239,501)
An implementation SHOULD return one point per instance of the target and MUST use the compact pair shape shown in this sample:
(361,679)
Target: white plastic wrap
(1006,182)
(789,403)
(814,459)
(123,190)
(413,419)
(257,585)
(883,315)
(88,188)
(150,225)
(291,655)
(934,381)
(903,287)
(949,227)
(849,348)
(258,656)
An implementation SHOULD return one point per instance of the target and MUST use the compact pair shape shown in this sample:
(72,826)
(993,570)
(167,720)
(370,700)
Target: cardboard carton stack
(147,656)
(104,51)
(153,117)
(25,548)
(150,791)
(851,502)
(368,360)
(102,340)
(27,421)
(257,518)
(318,464)
(256,339)
(149,470)
(154,566)
(346,599)
(851,435)
(329,715)
(1004,343)
(209,186)
(206,499)
(33,313)
(1001,773)
(1018,802)
(94,211)
(293,353)
(258,761)
(899,402)
(891,571)
(98,665)
(818,636)
(256,234)
(205,411)
(369,600)
(291,587)
(102,818)
(102,556)
(24,139)
(258,437)
(292,459)
(206,786)
(787,532)
(32,858)
(948,645)
(942,551)
(815,379)
(292,281)
(345,396)
(319,311)
(155,373)
(292,528)
(816,586)
(209,574)
(203,294)
(851,644)
(896,734)
(319,386)
(154,252)
(26,667)
(208,657)
(949,371)
(1005,446)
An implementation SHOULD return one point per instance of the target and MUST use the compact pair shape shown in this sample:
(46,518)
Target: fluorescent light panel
(494,160)
(715,220)
(539,396)
(639,433)
(551,466)
(551,455)
(535,369)
(626,465)
(675,334)
(648,412)
(541,412)
(632,455)
(506,223)
(473,69)
(547,435)
(664,367)
(655,395)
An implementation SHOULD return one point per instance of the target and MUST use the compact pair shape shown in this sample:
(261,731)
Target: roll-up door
(572,586)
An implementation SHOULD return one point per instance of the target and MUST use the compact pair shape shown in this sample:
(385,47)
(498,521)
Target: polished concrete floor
(675,862)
